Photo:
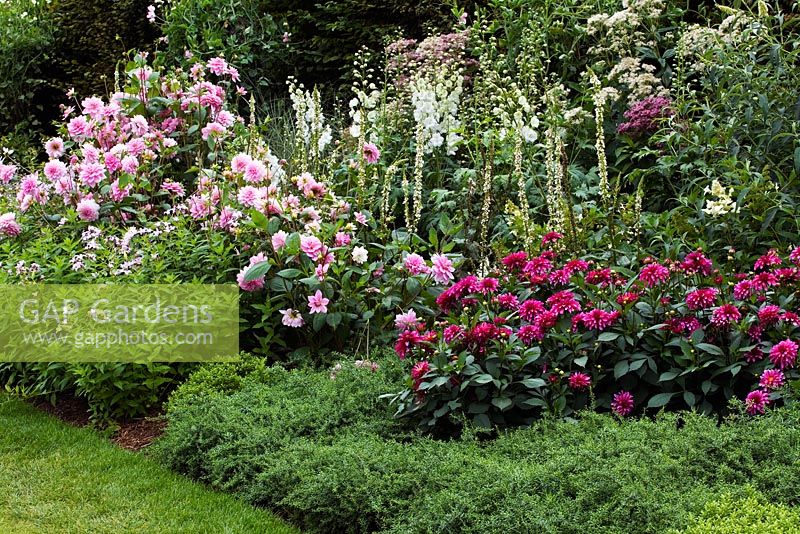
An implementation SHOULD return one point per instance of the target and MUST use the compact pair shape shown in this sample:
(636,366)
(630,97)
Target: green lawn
(59,479)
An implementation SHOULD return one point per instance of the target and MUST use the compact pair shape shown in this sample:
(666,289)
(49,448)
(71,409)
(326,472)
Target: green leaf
(482,420)
(621,368)
(711,349)
(273,226)
(669,375)
(259,219)
(478,407)
(483,379)
(581,362)
(608,336)
(257,271)
(290,273)
(292,246)
(319,321)
(503,403)
(334,319)
(690,398)
(657,401)
(533,383)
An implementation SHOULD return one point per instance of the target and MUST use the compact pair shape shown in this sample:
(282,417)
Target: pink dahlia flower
(88,209)
(9,226)
(371,153)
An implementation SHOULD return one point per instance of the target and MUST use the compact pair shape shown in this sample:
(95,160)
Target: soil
(133,434)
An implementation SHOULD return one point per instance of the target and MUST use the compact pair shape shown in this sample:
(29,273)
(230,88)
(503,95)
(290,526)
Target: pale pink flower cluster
(9,226)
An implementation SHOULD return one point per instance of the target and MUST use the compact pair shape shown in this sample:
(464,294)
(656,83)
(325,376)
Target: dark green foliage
(26,49)
(93,36)
(322,452)
(324,36)
(68,44)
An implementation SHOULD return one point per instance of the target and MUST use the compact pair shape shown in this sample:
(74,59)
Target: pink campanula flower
(317,303)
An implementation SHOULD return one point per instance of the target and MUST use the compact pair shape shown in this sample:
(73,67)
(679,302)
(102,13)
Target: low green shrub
(750,515)
(325,453)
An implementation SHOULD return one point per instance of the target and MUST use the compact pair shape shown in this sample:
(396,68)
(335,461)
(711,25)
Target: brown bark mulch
(132,434)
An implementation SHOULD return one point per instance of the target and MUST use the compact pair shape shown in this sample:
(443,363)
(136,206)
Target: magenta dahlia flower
(772,379)
(579,381)
(725,315)
(622,403)
(756,402)
(784,354)
(654,274)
